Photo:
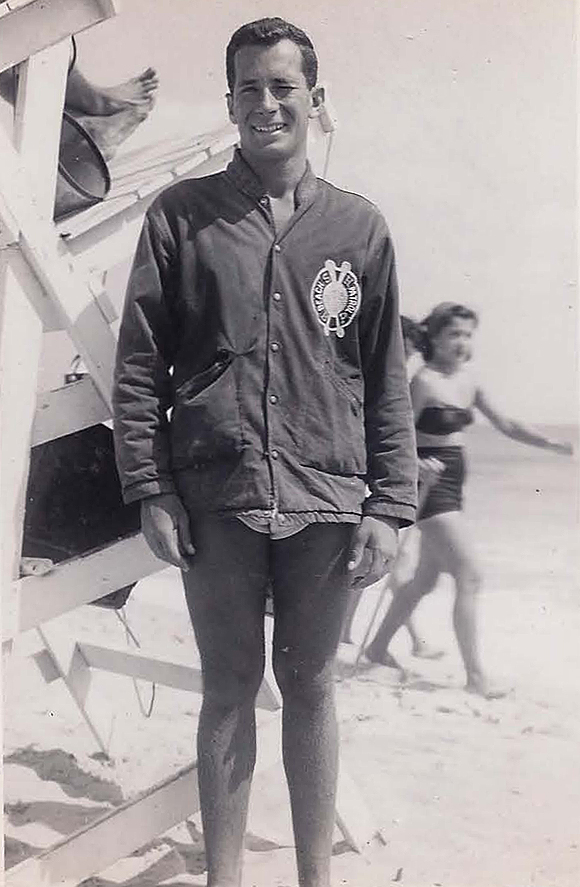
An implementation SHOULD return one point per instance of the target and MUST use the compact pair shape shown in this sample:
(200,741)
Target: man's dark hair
(267,32)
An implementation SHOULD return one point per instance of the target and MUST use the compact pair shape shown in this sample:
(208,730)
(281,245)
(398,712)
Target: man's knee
(309,684)
(232,685)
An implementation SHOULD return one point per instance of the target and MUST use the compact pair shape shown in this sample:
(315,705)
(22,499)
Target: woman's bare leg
(458,550)
(419,646)
(351,608)
(405,599)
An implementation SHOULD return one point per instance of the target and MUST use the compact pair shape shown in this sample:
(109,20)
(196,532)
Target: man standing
(262,311)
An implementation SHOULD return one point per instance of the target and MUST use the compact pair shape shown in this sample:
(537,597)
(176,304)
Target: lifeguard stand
(52,278)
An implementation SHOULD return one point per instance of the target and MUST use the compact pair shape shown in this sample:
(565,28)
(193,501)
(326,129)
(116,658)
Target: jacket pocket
(206,421)
(332,435)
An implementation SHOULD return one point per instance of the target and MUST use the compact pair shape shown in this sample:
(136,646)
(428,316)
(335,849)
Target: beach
(465,792)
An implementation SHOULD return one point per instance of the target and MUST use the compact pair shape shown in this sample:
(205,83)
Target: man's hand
(373,548)
(165,525)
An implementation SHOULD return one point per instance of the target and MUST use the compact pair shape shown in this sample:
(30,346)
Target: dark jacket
(279,359)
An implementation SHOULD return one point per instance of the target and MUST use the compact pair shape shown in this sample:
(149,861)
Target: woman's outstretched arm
(518,430)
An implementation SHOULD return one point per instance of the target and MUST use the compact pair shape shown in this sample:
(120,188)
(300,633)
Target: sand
(465,792)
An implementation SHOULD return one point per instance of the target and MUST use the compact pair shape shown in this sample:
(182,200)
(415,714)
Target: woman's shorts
(446,494)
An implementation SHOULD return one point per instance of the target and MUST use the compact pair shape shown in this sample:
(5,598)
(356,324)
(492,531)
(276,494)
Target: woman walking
(444,395)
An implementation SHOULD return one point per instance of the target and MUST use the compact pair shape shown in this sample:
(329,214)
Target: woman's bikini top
(443,420)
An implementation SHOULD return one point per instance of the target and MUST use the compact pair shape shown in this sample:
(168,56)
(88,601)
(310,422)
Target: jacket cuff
(148,488)
(405,514)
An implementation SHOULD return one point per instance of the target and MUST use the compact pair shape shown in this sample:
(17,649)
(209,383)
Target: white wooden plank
(111,837)
(20,349)
(188,165)
(32,290)
(97,709)
(179,675)
(352,814)
(41,23)
(9,228)
(224,144)
(118,660)
(36,599)
(73,300)
(38,121)
(16,4)
(98,289)
(20,346)
(110,244)
(128,827)
(67,409)
(46,666)
(135,161)
(155,184)
(84,221)
(101,232)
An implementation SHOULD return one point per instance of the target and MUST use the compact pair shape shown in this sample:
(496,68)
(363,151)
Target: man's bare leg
(225,593)
(310,589)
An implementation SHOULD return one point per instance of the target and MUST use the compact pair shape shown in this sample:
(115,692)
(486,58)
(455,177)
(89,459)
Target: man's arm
(142,396)
(389,426)
(142,385)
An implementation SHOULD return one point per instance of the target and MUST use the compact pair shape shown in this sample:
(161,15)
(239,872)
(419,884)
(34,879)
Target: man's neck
(279,177)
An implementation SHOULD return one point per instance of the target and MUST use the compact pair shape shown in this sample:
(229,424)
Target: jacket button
(274,346)
(274,454)
(273,398)
(277,297)
(277,248)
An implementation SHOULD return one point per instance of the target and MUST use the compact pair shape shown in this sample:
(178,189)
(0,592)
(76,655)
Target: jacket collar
(247,181)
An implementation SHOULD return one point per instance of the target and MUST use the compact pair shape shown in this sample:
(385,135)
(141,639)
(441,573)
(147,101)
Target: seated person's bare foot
(381,657)
(35,566)
(101,101)
(136,91)
(422,650)
(481,686)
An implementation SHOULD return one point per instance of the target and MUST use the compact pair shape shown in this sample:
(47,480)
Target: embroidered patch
(335,296)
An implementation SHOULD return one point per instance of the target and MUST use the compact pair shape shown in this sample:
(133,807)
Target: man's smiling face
(271,101)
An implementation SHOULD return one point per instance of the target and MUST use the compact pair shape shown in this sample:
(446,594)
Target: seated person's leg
(88,98)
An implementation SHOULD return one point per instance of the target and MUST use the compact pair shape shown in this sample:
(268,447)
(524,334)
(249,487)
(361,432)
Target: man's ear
(317,95)
(230,104)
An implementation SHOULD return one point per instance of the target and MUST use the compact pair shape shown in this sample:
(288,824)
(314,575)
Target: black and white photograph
(289,428)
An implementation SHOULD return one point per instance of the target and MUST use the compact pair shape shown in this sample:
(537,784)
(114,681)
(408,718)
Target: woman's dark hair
(440,317)
(267,32)
(412,332)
